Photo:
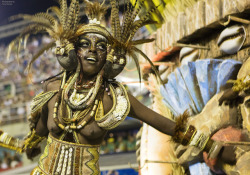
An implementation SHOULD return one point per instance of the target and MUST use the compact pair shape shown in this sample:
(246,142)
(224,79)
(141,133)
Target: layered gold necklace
(81,106)
(77,118)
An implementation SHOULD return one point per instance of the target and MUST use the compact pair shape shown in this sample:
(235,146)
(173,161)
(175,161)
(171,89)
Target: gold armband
(9,142)
(32,140)
(199,140)
(192,137)
(184,137)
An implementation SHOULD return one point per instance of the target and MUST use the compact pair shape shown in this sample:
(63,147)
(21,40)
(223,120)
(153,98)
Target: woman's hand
(33,152)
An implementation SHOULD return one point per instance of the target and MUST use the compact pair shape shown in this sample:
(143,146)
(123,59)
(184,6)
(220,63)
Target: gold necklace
(81,104)
(79,119)
(74,123)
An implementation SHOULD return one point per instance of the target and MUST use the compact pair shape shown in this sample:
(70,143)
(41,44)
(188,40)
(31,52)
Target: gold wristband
(32,140)
(186,137)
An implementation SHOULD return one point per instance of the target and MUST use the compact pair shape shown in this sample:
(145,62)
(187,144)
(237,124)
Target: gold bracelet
(188,135)
(32,140)
(203,142)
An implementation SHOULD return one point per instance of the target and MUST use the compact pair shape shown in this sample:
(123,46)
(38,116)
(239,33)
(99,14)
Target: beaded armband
(32,140)
(10,142)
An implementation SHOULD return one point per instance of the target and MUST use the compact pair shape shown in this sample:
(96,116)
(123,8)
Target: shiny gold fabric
(67,158)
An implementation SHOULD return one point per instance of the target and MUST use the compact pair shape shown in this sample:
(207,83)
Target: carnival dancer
(78,107)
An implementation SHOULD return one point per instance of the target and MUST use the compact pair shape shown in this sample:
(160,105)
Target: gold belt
(65,158)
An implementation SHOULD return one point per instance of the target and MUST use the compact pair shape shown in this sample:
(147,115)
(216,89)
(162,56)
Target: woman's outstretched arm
(143,113)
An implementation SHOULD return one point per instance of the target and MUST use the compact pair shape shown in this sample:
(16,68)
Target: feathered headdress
(65,28)
(95,11)
(122,34)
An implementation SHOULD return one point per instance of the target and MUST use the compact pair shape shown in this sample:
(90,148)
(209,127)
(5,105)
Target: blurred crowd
(119,142)
(9,160)
(15,106)
(14,109)
(14,67)
(46,65)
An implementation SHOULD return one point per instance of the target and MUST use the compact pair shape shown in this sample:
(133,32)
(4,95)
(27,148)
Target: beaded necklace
(80,103)
(74,121)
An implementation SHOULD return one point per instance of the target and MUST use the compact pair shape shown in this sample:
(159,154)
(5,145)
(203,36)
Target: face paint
(92,51)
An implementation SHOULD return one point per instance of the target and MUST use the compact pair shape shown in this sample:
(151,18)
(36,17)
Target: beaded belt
(65,158)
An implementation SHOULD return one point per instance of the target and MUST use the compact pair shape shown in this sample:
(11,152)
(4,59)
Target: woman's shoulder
(52,84)
(50,88)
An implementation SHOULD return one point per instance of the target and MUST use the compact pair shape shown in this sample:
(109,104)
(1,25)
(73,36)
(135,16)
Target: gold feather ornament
(122,38)
(94,11)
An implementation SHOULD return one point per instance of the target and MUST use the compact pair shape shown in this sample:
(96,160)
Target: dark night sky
(12,7)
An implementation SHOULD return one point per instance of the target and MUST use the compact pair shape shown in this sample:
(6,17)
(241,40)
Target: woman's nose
(92,48)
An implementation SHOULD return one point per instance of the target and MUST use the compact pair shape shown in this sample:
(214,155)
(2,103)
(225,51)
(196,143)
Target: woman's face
(92,51)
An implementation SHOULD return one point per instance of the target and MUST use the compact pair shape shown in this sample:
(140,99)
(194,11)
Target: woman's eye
(84,44)
(102,46)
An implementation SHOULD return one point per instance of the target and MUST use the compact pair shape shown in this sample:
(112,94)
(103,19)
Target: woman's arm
(167,126)
(41,126)
(40,132)
(143,113)
(39,129)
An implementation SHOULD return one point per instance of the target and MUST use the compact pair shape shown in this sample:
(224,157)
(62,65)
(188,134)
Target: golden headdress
(65,29)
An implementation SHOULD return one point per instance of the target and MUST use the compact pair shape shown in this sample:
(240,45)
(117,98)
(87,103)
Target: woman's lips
(91,60)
